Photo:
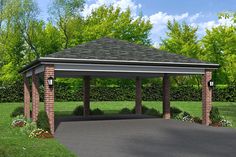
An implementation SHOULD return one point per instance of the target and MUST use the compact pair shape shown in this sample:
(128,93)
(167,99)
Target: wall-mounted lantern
(210,83)
(50,81)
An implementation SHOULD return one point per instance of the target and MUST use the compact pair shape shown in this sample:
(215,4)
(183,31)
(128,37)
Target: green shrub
(153,112)
(187,117)
(174,111)
(43,121)
(28,128)
(19,121)
(215,115)
(78,111)
(197,120)
(18,111)
(225,123)
(144,109)
(97,111)
(186,114)
(125,111)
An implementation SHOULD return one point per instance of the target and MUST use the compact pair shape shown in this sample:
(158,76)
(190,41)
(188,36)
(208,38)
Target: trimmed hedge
(65,92)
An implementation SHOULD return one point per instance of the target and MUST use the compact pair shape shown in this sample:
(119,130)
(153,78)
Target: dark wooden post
(86,89)
(166,97)
(138,100)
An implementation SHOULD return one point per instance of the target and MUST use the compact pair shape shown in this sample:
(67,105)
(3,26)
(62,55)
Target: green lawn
(14,144)
(227,109)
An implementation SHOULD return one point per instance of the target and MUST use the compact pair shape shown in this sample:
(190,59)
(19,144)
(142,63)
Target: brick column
(138,100)
(86,96)
(26,97)
(206,98)
(49,95)
(166,97)
(35,96)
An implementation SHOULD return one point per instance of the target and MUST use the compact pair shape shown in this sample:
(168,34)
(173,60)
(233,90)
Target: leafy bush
(174,111)
(18,111)
(178,117)
(40,133)
(97,111)
(144,109)
(187,117)
(125,111)
(215,115)
(186,114)
(20,117)
(19,121)
(28,128)
(43,121)
(197,120)
(226,123)
(153,112)
(78,111)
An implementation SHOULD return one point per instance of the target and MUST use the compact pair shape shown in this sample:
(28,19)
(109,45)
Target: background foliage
(66,92)
(24,38)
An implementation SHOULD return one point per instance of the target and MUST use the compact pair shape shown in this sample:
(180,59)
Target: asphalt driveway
(146,138)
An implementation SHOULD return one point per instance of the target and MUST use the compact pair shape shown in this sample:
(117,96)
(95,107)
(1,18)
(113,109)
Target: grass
(14,144)
(227,109)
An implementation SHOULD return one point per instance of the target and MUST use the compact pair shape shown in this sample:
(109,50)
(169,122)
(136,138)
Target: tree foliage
(112,22)
(25,38)
(217,46)
(65,13)
(182,39)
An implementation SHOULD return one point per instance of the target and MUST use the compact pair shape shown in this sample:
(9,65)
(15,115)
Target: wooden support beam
(138,100)
(86,96)
(166,96)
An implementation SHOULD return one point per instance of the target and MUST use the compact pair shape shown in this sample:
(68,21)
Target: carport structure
(107,57)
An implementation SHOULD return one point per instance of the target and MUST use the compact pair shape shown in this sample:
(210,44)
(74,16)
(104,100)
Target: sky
(197,13)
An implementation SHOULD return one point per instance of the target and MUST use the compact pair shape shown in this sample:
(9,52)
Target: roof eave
(125,62)
(29,66)
(119,62)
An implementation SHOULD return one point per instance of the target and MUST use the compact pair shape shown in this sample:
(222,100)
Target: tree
(182,39)
(112,22)
(66,15)
(219,47)
(23,37)
(11,43)
(228,15)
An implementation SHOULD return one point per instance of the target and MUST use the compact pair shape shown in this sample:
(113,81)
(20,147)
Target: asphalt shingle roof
(113,49)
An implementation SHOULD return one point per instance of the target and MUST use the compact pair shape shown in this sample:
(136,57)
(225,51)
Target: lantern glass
(210,83)
(50,81)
